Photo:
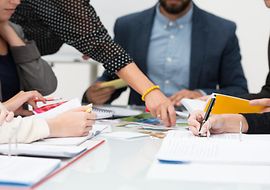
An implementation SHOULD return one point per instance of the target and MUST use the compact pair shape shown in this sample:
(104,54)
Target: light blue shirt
(168,58)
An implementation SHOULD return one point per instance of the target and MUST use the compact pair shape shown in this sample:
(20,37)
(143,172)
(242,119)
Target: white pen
(240,131)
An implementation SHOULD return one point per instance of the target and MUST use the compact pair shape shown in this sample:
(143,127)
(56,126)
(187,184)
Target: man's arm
(232,80)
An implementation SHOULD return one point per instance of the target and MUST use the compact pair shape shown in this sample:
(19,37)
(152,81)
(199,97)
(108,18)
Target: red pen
(48,99)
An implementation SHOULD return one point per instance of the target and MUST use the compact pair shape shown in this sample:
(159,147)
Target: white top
(25,130)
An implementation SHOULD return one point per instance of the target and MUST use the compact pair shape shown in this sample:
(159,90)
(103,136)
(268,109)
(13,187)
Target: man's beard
(175,9)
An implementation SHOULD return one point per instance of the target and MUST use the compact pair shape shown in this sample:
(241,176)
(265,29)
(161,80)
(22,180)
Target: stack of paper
(124,135)
(25,171)
(74,141)
(211,150)
(221,158)
(42,150)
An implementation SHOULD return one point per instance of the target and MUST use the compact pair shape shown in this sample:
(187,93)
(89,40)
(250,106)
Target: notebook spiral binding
(103,113)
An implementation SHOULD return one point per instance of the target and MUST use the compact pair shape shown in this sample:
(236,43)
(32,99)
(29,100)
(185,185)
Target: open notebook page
(25,171)
(213,150)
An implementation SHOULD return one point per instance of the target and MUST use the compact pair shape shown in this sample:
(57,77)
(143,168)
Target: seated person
(229,123)
(187,51)
(76,122)
(21,67)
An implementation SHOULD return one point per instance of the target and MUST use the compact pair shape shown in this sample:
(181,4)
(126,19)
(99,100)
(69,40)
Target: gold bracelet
(149,90)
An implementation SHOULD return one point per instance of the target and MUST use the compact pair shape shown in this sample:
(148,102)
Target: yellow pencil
(89,110)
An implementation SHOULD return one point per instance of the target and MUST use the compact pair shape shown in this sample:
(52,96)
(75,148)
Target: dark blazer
(34,72)
(265,91)
(260,123)
(215,55)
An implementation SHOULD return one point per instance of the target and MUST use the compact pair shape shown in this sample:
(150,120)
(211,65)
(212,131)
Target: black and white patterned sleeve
(76,23)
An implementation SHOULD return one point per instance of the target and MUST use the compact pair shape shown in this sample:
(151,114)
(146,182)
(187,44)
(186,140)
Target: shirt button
(167,82)
(181,26)
(169,60)
(170,23)
(172,37)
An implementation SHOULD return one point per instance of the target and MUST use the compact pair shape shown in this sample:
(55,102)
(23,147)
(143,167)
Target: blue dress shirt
(169,52)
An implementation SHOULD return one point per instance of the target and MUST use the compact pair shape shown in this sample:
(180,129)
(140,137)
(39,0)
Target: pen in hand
(207,114)
(90,109)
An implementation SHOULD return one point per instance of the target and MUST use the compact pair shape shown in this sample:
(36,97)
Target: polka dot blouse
(54,22)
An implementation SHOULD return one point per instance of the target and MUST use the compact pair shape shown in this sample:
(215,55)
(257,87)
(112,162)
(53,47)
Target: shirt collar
(187,18)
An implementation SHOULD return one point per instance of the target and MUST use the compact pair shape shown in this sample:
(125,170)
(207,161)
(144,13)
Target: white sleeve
(25,130)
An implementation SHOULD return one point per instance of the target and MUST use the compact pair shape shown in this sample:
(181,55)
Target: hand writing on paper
(216,124)
(76,122)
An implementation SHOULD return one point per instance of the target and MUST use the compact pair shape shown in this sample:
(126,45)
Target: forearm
(258,123)
(135,78)
(11,37)
(24,130)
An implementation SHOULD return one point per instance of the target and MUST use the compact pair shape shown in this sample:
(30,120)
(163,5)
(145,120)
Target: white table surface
(123,165)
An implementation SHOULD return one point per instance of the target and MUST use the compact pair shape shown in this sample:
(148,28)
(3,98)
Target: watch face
(47,107)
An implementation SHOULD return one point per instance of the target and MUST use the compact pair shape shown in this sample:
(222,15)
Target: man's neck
(174,17)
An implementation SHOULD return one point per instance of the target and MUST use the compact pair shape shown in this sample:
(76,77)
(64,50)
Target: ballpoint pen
(207,114)
(92,135)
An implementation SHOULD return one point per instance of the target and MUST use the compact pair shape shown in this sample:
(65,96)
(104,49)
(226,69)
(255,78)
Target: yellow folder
(225,104)
(118,83)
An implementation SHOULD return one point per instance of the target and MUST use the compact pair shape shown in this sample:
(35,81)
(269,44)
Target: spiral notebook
(102,113)
(52,111)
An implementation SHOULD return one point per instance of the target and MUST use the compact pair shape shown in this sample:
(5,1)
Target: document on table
(213,150)
(121,111)
(125,135)
(210,173)
(42,150)
(74,141)
(71,104)
(25,171)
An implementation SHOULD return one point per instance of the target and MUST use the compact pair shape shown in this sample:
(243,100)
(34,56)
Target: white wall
(251,16)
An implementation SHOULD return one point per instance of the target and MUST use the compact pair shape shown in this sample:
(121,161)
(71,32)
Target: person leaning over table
(76,122)
(187,51)
(31,69)
(21,67)
(54,22)
(229,123)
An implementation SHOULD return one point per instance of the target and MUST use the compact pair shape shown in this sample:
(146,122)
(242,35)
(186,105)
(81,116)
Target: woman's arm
(158,104)
(34,72)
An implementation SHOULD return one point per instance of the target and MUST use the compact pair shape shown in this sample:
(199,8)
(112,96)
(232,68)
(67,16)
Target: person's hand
(216,124)
(15,104)
(97,95)
(161,107)
(76,122)
(5,115)
(204,98)
(261,102)
(192,94)
(9,35)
